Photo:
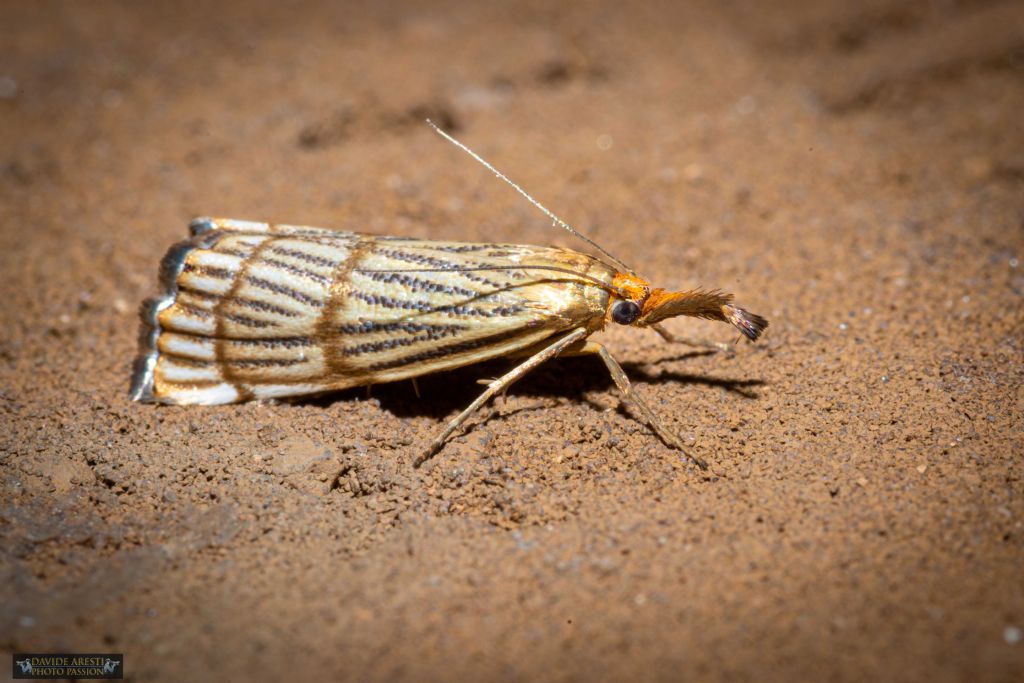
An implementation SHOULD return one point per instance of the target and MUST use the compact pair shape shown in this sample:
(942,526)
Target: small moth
(258,311)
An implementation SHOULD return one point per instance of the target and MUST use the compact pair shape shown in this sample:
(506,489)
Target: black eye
(625,312)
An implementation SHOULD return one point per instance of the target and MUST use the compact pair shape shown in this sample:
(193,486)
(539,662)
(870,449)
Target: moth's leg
(698,343)
(493,407)
(500,385)
(415,387)
(629,393)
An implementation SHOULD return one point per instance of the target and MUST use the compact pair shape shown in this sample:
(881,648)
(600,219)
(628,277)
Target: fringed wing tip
(750,324)
(145,362)
(171,264)
(142,379)
(201,226)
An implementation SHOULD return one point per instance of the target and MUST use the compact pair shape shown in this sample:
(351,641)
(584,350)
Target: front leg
(501,384)
(629,393)
(697,343)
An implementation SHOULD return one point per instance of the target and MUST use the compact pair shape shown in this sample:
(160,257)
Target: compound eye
(625,312)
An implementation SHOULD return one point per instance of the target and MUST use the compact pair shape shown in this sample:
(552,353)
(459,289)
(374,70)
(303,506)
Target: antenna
(555,219)
(466,269)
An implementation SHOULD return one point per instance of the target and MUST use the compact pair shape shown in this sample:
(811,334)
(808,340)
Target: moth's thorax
(577,300)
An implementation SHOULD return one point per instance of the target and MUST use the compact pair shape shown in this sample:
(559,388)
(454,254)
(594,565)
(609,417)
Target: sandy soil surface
(853,171)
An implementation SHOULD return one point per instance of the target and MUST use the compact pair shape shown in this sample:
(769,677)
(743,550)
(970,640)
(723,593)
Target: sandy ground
(853,171)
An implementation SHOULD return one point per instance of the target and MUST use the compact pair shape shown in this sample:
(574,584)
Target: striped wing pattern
(254,310)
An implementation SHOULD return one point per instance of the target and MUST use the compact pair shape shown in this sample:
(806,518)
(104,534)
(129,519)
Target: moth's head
(639,305)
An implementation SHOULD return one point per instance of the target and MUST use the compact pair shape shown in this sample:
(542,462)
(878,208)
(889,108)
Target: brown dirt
(853,171)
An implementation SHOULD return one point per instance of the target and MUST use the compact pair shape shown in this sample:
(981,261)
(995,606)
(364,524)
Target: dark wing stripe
(370,326)
(314,259)
(264,306)
(264,362)
(210,271)
(286,342)
(385,345)
(198,293)
(188,361)
(247,321)
(462,248)
(451,349)
(320,235)
(389,302)
(440,264)
(416,284)
(284,291)
(394,342)
(431,307)
(192,309)
(295,270)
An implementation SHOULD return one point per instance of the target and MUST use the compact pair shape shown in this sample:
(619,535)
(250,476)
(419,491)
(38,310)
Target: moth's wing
(252,310)
(420,306)
(240,307)
(205,225)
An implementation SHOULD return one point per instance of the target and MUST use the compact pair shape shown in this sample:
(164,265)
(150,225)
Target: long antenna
(555,219)
(467,269)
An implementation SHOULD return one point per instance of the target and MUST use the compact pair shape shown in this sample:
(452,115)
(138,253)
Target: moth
(254,310)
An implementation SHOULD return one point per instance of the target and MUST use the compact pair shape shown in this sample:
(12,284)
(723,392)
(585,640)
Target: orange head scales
(640,305)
